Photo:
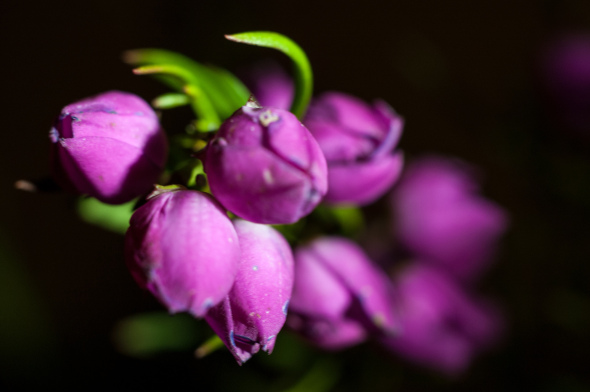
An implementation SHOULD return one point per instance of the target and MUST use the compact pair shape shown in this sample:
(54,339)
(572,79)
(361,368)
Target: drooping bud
(358,142)
(339,294)
(254,312)
(109,146)
(183,248)
(264,166)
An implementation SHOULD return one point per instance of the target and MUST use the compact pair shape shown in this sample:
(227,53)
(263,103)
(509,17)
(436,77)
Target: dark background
(464,74)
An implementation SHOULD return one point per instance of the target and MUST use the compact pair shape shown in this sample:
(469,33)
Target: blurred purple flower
(254,312)
(271,85)
(358,141)
(565,73)
(265,166)
(441,325)
(183,248)
(440,217)
(339,294)
(109,146)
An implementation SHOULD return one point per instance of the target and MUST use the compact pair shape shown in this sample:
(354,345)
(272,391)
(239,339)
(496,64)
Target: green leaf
(147,334)
(114,218)
(303,74)
(225,91)
(208,118)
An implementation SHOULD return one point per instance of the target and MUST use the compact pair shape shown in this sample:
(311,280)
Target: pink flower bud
(183,248)
(339,294)
(271,85)
(358,142)
(109,146)
(254,312)
(264,166)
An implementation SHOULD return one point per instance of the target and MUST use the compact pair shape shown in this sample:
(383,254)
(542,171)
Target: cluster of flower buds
(183,247)
(266,166)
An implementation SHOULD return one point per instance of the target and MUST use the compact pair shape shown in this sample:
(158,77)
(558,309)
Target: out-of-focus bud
(109,146)
(339,295)
(358,141)
(271,85)
(440,217)
(441,326)
(183,248)
(254,312)
(565,77)
(264,166)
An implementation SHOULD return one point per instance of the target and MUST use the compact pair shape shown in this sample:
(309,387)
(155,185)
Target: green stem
(303,74)
(212,344)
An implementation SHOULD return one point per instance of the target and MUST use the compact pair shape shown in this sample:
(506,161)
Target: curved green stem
(303,74)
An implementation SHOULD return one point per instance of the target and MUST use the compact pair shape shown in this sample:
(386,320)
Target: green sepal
(303,73)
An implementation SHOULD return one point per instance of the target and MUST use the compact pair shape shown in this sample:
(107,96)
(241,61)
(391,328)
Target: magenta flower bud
(109,146)
(440,217)
(183,248)
(339,294)
(264,166)
(358,141)
(254,312)
(442,327)
(271,86)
